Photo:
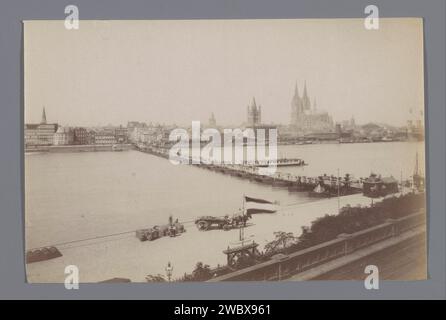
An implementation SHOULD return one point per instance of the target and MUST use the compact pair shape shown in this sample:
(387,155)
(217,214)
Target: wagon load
(171,229)
(226,223)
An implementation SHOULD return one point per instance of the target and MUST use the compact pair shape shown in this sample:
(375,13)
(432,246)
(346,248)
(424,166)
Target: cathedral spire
(305,100)
(253,104)
(43,121)
(254,113)
(296,102)
(305,89)
(296,92)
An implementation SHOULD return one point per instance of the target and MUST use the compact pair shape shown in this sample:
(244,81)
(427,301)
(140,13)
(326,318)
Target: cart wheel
(202,225)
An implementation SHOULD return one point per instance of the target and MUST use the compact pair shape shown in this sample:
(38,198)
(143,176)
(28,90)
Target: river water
(71,196)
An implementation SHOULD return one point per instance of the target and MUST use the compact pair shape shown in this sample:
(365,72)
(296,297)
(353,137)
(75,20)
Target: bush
(349,220)
(202,272)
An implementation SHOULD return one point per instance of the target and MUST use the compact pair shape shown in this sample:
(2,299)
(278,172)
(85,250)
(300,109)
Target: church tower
(297,108)
(305,99)
(296,102)
(254,113)
(43,120)
(212,121)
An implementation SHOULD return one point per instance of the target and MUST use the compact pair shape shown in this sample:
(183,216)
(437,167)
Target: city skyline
(211,122)
(186,70)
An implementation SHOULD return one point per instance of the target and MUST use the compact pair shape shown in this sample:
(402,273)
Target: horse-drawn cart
(226,223)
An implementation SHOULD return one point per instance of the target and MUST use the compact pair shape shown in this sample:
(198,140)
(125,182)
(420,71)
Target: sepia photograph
(224,150)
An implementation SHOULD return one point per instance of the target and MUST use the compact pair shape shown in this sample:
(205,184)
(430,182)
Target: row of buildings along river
(308,124)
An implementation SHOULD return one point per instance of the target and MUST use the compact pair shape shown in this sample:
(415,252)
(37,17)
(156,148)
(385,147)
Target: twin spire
(301,103)
(296,90)
(43,120)
(253,103)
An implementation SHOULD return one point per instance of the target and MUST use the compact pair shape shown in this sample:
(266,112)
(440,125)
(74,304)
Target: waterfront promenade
(404,260)
(398,258)
(344,250)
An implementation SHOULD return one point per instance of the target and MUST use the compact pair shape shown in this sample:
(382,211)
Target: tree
(282,241)
(347,181)
(202,272)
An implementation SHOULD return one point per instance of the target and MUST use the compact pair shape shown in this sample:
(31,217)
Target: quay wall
(78,148)
(344,244)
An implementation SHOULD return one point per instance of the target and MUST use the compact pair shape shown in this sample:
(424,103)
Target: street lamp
(169,270)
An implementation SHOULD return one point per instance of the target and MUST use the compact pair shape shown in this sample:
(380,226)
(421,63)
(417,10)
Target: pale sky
(176,71)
